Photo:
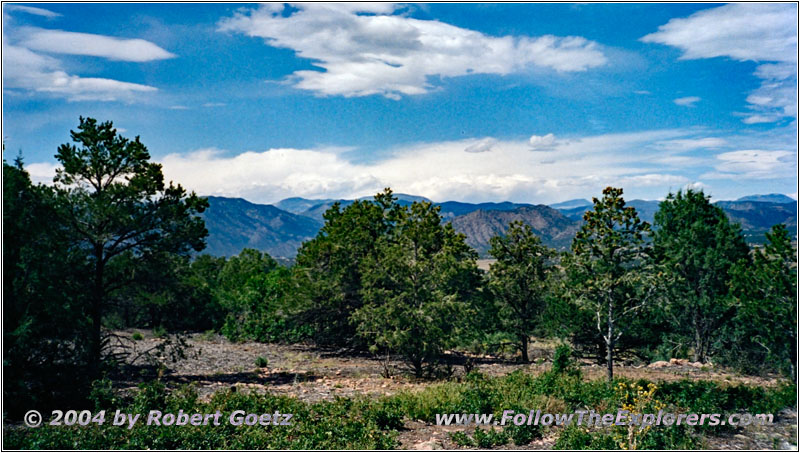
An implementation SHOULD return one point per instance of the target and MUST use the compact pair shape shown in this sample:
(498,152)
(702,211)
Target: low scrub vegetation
(363,423)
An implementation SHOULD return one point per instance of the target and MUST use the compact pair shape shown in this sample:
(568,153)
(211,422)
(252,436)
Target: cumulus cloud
(762,32)
(542,141)
(481,146)
(574,168)
(439,171)
(688,101)
(71,43)
(696,185)
(394,55)
(42,172)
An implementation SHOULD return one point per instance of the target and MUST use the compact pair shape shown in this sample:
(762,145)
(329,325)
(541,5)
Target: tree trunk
(699,355)
(524,348)
(96,313)
(610,344)
(417,363)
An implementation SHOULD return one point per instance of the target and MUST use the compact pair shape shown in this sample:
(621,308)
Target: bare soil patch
(312,374)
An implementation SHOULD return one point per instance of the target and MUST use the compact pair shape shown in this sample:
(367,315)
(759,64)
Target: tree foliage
(520,280)
(117,208)
(764,332)
(417,287)
(610,273)
(329,269)
(44,316)
(697,246)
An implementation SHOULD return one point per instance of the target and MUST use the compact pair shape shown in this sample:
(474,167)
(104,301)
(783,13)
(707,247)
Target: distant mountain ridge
(551,226)
(235,223)
(770,198)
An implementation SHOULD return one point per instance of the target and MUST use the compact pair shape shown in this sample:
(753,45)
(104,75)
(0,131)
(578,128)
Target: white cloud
(687,144)
(178,107)
(481,146)
(31,10)
(571,168)
(688,101)
(71,43)
(761,32)
(214,104)
(696,185)
(542,141)
(756,164)
(758,119)
(394,55)
(742,31)
(27,70)
(439,171)
(42,172)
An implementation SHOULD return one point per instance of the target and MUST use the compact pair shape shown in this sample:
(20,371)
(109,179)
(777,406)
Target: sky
(535,103)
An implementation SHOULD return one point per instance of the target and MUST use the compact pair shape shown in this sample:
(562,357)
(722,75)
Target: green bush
(137,336)
(523,434)
(262,362)
(563,363)
(580,438)
(341,424)
(372,424)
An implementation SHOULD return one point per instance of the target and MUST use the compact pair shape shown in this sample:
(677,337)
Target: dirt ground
(313,374)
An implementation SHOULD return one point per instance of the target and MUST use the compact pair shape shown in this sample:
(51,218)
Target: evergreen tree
(329,271)
(610,273)
(697,245)
(116,205)
(417,287)
(519,280)
(765,294)
(44,317)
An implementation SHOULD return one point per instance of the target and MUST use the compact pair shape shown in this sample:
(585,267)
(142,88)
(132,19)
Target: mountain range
(280,229)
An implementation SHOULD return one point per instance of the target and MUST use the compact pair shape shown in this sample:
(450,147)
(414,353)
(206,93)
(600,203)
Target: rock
(696,364)
(786,446)
(678,361)
(659,364)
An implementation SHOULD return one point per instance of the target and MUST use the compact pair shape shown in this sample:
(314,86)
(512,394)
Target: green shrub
(580,438)
(461,439)
(563,363)
(489,438)
(481,439)
(159,332)
(342,424)
(372,424)
(102,394)
(523,434)
(137,336)
(262,362)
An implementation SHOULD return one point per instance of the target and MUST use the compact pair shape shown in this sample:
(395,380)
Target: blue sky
(482,102)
